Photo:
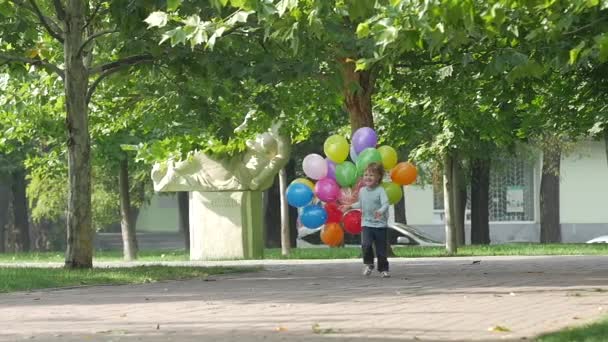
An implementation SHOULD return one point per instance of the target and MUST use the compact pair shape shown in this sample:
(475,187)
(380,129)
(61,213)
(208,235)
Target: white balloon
(314,166)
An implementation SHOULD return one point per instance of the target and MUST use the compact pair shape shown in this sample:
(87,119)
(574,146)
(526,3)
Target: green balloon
(346,174)
(393,192)
(367,156)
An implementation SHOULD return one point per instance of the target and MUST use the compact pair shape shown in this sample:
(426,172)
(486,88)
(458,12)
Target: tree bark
(550,227)
(459,193)
(183,204)
(272,215)
(79,253)
(480,196)
(358,90)
(290,170)
(400,210)
(5,196)
(451,242)
(127,224)
(285,239)
(20,214)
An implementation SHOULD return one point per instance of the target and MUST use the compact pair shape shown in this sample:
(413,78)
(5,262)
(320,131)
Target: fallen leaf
(499,328)
(279,329)
(475,262)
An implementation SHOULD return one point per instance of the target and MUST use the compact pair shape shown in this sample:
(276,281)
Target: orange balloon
(332,234)
(404,173)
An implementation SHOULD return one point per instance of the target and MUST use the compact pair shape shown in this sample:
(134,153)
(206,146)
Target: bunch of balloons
(338,182)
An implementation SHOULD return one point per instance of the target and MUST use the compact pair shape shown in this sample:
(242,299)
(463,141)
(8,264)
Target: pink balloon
(327,190)
(314,166)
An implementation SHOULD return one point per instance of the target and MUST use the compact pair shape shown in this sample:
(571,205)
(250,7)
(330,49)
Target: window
(511,192)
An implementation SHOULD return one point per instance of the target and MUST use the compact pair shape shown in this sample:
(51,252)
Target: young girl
(374,207)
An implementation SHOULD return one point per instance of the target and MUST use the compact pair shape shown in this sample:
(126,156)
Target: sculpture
(254,169)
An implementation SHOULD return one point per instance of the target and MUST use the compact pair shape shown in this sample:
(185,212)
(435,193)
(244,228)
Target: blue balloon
(313,216)
(299,195)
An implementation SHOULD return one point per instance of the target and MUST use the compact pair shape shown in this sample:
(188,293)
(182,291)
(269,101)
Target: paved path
(432,299)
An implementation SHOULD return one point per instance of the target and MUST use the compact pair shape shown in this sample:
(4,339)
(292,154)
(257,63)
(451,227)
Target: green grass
(339,253)
(594,332)
(145,255)
(416,252)
(30,278)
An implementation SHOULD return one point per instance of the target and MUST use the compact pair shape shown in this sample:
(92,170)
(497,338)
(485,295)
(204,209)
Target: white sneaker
(385,274)
(368,270)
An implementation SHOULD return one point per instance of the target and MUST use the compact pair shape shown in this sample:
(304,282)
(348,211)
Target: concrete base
(226,225)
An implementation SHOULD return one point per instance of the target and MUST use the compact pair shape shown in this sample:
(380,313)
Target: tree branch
(51,27)
(32,61)
(89,20)
(131,60)
(113,67)
(92,37)
(59,9)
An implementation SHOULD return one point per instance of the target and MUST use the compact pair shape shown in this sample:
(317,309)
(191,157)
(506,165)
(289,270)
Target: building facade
(515,198)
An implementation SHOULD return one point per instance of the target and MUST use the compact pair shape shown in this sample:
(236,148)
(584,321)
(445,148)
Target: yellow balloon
(389,156)
(306,182)
(336,148)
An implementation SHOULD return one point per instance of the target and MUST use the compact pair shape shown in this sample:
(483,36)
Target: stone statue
(254,169)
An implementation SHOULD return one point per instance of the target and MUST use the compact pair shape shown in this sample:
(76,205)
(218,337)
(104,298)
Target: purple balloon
(353,154)
(363,138)
(327,190)
(331,169)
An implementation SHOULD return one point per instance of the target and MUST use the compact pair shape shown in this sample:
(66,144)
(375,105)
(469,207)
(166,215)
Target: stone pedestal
(226,225)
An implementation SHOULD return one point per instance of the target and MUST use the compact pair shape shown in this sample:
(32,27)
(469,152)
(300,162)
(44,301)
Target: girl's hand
(378,215)
(344,207)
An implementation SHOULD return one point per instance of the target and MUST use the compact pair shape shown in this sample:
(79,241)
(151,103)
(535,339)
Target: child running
(373,203)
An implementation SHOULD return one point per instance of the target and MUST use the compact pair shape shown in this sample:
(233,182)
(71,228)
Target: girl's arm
(383,202)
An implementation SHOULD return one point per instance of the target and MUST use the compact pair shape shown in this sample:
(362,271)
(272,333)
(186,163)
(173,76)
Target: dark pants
(377,237)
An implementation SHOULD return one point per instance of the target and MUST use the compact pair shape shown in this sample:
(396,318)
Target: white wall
(160,215)
(419,204)
(584,184)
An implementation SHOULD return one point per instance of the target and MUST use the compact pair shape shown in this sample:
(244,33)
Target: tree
(74,26)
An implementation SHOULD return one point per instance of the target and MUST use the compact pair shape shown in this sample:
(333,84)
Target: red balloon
(352,221)
(334,214)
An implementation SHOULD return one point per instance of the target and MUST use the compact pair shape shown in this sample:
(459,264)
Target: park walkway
(428,299)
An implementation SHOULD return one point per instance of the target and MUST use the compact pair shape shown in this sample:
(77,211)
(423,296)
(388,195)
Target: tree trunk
(79,253)
(451,242)
(550,227)
(290,170)
(285,239)
(127,225)
(18,186)
(183,204)
(480,196)
(400,210)
(459,193)
(272,215)
(5,196)
(358,90)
